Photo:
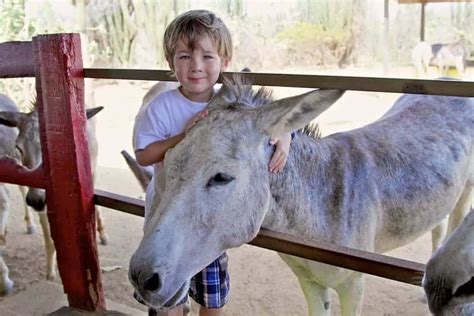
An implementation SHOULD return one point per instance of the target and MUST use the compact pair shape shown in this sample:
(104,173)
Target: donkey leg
(30,225)
(351,294)
(317,297)
(460,67)
(438,234)
(463,205)
(6,284)
(49,246)
(104,239)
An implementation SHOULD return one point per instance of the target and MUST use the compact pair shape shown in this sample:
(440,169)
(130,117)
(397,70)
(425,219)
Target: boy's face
(197,70)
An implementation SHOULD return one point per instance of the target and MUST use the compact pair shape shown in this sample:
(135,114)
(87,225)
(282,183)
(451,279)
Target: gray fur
(7,134)
(374,188)
(7,149)
(449,277)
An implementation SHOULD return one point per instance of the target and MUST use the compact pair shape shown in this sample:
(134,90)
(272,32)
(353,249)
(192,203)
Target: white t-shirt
(165,116)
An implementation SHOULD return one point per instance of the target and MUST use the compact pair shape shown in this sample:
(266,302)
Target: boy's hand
(280,156)
(196,118)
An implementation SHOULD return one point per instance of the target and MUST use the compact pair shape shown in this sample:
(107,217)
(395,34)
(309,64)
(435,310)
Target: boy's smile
(197,70)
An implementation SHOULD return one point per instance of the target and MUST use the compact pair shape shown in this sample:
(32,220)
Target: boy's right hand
(196,118)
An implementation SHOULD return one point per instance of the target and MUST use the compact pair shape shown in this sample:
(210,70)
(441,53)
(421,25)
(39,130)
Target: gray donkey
(449,277)
(19,139)
(374,188)
(9,149)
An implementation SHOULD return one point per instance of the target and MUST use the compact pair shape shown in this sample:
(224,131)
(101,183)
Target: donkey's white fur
(449,276)
(7,148)
(374,188)
(19,139)
(421,57)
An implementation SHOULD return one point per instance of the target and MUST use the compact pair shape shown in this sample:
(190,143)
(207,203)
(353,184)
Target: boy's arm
(155,152)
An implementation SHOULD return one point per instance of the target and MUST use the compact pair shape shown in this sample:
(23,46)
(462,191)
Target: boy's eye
(183,57)
(208,56)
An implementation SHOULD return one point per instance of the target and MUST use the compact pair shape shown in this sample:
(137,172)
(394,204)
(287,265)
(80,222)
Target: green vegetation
(15,26)
(311,44)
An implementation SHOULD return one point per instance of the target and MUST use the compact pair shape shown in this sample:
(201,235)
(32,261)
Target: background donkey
(8,149)
(374,188)
(442,56)
(449,277)
(19,138)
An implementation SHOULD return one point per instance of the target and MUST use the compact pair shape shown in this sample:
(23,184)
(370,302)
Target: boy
(198,47)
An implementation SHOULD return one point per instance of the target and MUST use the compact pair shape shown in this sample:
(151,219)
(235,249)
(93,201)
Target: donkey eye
(219,179)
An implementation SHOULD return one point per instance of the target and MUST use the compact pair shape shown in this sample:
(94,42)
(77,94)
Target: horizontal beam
(429,1)
(12,172)
(353,259)
(16,60)
(416,86)
(119,202)
(366,262)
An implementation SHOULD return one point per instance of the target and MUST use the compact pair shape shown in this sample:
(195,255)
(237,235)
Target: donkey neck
(307,197)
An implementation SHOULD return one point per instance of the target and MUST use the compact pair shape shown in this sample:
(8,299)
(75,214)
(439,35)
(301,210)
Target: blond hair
(190,26)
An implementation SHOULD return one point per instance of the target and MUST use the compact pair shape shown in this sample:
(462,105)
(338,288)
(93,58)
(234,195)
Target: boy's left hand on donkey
(280,156)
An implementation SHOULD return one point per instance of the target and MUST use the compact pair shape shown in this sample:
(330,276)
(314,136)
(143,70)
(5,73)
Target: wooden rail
(417,86)
(16,60)
(344,257)
(12,172)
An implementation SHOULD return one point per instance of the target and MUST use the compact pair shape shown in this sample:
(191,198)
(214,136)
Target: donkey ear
(289,114)
(224,96)
(91,112)
(226,93)
(231,88)
(11,119)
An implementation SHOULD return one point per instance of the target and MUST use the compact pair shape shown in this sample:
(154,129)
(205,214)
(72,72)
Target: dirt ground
(261,283)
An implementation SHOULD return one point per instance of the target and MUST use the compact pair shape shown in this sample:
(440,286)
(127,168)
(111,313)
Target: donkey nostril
(134,277)
(153,283)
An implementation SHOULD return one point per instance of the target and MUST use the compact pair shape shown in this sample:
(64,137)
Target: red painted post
(67,166)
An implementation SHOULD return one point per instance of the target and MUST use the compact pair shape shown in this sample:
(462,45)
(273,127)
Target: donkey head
(28,146)
(449,277)
(216,188)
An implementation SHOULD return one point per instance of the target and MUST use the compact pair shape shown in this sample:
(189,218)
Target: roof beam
(428,1)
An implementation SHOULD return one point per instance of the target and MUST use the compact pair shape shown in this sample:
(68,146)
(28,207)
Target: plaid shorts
(210,287)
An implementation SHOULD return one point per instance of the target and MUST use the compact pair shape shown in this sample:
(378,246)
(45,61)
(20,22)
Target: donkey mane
(239,90)
(32,105)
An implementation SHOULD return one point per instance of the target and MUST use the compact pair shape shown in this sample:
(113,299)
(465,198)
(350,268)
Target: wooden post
(69,191)
(386,48)
(422,22)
